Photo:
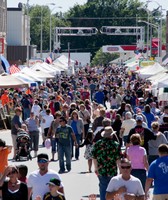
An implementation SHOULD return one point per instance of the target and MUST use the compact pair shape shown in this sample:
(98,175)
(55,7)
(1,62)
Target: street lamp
(41,36)
(148,12)
(155,26)
(160,31)
(28,36)
(53,4)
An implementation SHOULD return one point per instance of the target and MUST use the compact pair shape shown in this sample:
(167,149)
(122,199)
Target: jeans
(64,150)
(54,143)
(103,183)
(26,113)
(34,140)
(78,139)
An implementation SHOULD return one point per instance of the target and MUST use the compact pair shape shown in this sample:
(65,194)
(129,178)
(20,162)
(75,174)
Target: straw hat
(108,132)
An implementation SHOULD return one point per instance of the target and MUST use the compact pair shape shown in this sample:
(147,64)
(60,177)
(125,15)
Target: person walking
(78,128)
(139,161)
(38,179)
(32,124)
(106,153)
(158,172)
(65,135)
(15,125)
(125,186)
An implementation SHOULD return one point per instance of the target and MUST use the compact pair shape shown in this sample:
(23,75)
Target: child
(5,150)
(54,185)
(23,170)
(88,151)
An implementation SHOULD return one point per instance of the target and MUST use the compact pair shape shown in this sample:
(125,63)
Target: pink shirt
(136,155)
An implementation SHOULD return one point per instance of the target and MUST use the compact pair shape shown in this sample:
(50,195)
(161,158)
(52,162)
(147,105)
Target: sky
(66,4)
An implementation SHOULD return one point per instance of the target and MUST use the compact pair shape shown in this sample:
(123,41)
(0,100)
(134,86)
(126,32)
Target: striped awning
(13,69)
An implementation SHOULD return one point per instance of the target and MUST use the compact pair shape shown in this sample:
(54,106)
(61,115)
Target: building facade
(3,26)
(18,29)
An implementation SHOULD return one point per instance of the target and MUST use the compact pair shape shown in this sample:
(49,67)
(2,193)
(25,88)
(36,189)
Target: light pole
(51,23)
(155,26)
(160,31)
(28,36)
(148,12)
(41,35)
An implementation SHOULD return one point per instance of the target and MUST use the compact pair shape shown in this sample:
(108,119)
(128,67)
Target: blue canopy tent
(5,64)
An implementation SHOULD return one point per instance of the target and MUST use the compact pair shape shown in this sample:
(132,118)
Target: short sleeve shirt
(38,182)
(64,135)
(106,152)
(158,171)
(16,120)
(133,185)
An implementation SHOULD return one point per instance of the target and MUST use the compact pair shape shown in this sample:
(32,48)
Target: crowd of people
(114,115)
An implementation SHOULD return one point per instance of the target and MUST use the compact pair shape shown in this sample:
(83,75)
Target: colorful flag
(13,69)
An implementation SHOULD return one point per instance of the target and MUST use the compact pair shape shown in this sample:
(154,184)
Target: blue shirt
(99,97)
(74,127)
(158,171)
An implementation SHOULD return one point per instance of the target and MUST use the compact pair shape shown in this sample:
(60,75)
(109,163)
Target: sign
(154,46)
(112,49)
(1,45)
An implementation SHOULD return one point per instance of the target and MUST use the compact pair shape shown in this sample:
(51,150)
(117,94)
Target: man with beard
(38,179)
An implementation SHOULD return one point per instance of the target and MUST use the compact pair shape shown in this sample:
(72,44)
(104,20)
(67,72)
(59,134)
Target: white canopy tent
(12,82)
(150,71)
(36,74)
(62,64)
(50,67)
(44,68)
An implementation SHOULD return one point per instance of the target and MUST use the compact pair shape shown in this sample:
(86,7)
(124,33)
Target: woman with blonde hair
(78,128)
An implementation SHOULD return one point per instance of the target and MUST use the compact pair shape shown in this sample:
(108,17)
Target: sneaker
(61,172)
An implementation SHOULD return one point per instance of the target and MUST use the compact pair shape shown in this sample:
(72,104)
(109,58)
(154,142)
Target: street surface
(78,183)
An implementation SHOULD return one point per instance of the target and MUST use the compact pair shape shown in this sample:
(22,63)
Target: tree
(36,12)
(101,58)
(98,13)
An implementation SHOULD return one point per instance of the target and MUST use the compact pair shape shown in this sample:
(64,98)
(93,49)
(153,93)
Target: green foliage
(101,58)
(98,13)
(35,25)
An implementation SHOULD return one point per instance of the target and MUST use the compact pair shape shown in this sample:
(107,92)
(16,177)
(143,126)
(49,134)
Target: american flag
(13,69)
(49,60)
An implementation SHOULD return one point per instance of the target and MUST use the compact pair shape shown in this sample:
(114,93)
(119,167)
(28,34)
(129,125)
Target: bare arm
(29,193)
(147,185)
(111,195)
(145,161)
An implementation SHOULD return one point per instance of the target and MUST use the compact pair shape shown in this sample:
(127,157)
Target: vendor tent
(150,71)
(12,82)
(41,67)
(25,77)
(36,74)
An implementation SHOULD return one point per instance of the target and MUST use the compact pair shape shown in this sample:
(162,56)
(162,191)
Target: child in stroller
(23,145)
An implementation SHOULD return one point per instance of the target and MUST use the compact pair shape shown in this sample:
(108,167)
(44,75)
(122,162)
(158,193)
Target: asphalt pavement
(78,183)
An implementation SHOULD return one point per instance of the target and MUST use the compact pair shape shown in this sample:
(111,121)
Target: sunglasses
(125,167)
(42,161)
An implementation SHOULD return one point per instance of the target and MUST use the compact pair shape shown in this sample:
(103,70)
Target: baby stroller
(23,146)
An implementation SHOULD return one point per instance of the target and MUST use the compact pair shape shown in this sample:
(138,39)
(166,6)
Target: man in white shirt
(38,179)
(126,126)
(125,186)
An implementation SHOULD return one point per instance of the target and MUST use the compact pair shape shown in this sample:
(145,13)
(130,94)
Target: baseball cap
(54,181)
(42,156)
(139,118)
